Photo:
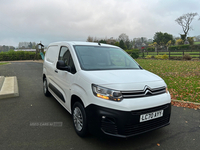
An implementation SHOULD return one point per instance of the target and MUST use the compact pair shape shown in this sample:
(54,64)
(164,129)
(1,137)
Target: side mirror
(61,66)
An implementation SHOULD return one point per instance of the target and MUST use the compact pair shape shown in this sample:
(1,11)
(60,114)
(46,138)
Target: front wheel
(79,119)
(45,88)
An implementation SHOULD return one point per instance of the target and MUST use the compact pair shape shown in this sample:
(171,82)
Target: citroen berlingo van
(104,89)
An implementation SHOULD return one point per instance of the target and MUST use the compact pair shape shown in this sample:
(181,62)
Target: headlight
(105,93)
(166,90)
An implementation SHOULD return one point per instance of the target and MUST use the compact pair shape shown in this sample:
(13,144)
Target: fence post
(183,52)
(157,52)
(169,53)
(143,53)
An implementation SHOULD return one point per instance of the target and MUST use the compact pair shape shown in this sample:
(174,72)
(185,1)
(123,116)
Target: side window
(50,54)
(67,58)
(64,55)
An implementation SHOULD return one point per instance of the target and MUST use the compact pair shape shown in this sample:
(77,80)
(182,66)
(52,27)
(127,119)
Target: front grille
(109,126)
(132,129)
(147,91)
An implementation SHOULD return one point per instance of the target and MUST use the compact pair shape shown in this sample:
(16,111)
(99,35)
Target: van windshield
(104,58)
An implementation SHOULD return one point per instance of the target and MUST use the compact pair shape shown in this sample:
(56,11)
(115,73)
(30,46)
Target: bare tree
(184,21)
(123,37)
(90,39)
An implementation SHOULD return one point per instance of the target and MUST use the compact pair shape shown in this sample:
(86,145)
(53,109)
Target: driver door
(64,79)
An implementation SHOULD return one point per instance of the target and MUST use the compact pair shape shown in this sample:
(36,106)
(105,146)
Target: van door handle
(56,71)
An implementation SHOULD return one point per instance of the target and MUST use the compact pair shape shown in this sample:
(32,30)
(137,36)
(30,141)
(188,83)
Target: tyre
(45,88)
(79,119)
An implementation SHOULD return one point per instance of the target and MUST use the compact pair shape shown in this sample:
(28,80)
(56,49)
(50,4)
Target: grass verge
(3,63)
(182,77)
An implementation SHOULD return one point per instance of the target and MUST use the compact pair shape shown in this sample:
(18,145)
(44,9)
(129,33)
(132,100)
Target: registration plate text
(150,116)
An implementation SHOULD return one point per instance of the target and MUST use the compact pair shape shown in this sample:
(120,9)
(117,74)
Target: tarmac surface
(33,121)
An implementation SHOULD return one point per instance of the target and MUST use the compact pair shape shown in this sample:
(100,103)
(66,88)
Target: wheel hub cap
(78,119)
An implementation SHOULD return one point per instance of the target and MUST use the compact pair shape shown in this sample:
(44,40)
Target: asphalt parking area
(33,121)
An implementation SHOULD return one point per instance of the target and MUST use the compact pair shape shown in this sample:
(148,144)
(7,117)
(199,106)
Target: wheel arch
(44,76)
(75,99)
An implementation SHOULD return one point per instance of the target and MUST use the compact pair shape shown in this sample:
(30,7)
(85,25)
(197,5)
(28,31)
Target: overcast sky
(55,20)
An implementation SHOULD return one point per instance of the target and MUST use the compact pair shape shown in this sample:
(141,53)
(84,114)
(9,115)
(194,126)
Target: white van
(104,89)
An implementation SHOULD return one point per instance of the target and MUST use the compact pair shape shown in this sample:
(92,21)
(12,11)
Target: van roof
(80,43)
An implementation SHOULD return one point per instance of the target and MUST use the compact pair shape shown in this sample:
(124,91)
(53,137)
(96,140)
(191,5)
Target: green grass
(182,77)
(3,63)
(196,43)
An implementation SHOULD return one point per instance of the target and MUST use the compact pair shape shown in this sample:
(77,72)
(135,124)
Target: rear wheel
(45,88)
(79,119)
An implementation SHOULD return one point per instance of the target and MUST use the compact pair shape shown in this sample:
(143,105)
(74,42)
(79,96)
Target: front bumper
(124,123)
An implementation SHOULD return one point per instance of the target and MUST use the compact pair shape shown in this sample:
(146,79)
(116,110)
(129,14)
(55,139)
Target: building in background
(26,45)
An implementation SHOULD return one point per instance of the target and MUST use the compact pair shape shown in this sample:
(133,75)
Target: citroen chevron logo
(147,90)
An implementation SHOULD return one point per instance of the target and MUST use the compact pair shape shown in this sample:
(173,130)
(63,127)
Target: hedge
(17,55)
(129,51)
(151,49)
(133,52)
(184,47)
